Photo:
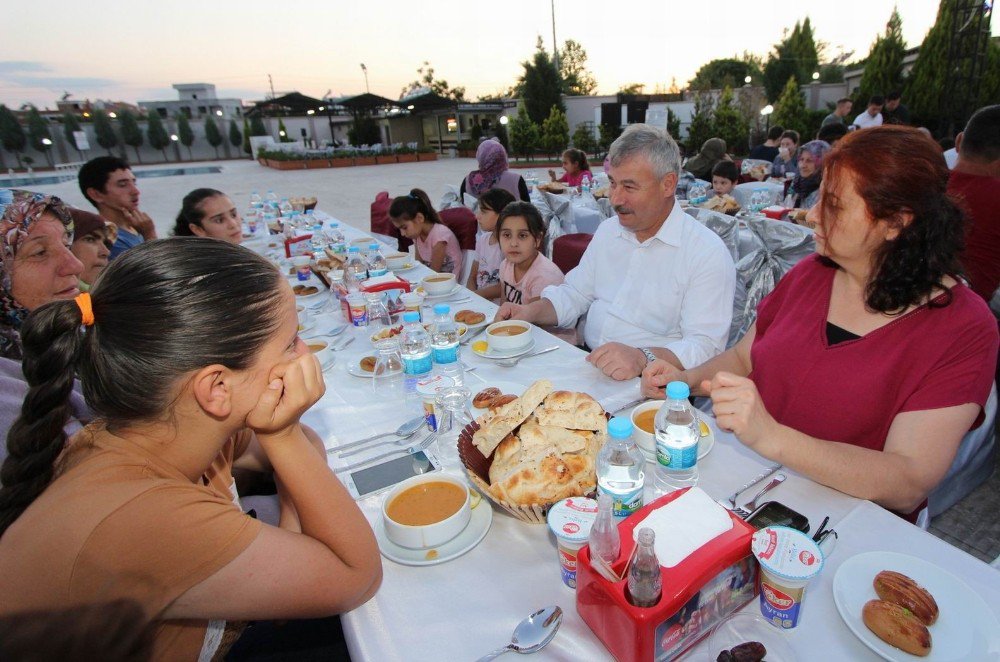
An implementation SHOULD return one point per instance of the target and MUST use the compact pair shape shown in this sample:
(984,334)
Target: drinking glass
(453,403)
(378,312)
(387,378)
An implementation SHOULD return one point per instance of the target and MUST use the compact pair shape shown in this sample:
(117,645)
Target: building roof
(293,102)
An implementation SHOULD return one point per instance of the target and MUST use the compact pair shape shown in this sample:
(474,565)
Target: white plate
(409,266)
(511,388)
(742,627)
(438,297)
(479,526)
(329,363)
(491,353)
(705,444)
(354,368)
(462,330)
(966,628)
(309,326)
(309,283)
(474,327)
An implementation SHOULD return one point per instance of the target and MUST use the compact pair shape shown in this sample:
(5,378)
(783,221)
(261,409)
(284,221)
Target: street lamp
(219,113)
(815,75)
(766,112)
(747,80)
(311,111)
(113,115)
(504,120)
(365,70)
(46,142)
(177,149)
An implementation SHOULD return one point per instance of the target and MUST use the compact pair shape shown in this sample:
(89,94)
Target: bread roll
(897,627)
(901,590)
(494,426)
(571,410)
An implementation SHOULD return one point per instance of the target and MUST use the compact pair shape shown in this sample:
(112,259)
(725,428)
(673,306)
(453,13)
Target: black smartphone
(772,513)
(382,476)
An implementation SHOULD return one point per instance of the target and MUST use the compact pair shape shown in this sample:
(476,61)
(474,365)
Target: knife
(767,472)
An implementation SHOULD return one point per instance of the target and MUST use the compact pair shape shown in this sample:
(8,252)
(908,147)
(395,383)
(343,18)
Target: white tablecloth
(461,609)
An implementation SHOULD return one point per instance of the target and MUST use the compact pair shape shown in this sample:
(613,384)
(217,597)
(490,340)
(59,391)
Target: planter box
(342,162)
(286,165)
(261,160)
(382,160)
(365,160)
(467,153)
(427,156)
(317,163)
(407,158)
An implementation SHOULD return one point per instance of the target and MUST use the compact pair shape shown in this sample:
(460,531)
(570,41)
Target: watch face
(650,357)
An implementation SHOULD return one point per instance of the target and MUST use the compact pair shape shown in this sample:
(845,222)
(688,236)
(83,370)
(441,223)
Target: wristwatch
(650,357)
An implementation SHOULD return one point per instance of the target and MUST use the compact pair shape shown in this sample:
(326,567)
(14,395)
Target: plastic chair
(463,223)
(380,223)
(568,250)
(587,220)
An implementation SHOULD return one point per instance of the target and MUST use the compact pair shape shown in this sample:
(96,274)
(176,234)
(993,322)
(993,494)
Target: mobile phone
(772,513)
(378,477)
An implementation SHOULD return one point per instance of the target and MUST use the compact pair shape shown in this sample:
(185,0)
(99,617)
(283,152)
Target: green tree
(184,132)
(426,79)
(673,125)
(363,131)
(576,78)
(524,135)
(730,124)
(716,74)
(283,133)
(71,125)
(583,138)
(12,133)
(212,134)
(540,85)
(247,148)
(235,137)
(795,55)
(790,109)
(38,131)
(257,127)
(131,133)
(555,131)
(702,126)
(104,131)
(501,134)
(884,65)
(609,133)
(157,134)
(632,88)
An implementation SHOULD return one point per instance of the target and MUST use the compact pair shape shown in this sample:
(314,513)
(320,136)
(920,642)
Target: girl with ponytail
(186,349)
(437,246)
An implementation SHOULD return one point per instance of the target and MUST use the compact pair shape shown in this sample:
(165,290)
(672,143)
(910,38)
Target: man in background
(768,151)
(108,183)
(895,112)
(840,113)
(872,115)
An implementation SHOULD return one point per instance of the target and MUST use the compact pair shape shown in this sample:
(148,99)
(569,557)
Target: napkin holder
(392,291)
(698,593)
(295,246)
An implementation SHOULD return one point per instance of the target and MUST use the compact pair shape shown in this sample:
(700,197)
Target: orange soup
(509,330)
(317,348)
(644,420)
(426,503)
(437,279)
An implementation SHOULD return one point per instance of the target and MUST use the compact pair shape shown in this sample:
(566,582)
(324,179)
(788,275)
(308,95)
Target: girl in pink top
(484,279)
(574,162)
(437,246)
(524,272)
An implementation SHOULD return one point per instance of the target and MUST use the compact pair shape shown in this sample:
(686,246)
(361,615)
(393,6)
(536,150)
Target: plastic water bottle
(415,348)
(376,262)
(585,185)
(620,469)
(605,542)
(333,233)
(357,270)
(285,207)
(644,581)
(677,435)
(444,341)
(271,201)
(255,199)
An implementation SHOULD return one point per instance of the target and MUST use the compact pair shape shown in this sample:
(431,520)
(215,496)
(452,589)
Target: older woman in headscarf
(93,238)
(805,186)
(494,172)
(712,151)
(37,265)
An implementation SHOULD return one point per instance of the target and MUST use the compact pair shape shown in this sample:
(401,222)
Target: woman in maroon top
(869,361)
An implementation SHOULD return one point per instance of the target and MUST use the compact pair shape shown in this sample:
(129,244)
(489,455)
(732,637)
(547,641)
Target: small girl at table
(437,246)
(484,279)
(524,272)
(574,162)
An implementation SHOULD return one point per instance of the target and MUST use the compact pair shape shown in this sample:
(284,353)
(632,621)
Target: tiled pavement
(973,524)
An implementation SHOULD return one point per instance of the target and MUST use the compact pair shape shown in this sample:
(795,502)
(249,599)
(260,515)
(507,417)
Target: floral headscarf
(18,212)
(803,187)
(492,158)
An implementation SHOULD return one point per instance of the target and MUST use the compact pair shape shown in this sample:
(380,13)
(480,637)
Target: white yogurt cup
(570,520)
(789,560)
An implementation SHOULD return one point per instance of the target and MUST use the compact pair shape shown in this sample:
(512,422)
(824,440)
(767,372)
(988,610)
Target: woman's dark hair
(908,178)
(496,199)
(530,214)
(726,169)
(406,207)
(790,133)
(577,156)
(161,310)
(191,212)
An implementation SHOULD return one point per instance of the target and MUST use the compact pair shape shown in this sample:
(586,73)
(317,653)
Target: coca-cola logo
(671,636)
(776,598)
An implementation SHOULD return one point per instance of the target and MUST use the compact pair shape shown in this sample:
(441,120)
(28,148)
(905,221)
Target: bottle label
(677,458)
(417,366)
(446,354)
(374,273)
(623,504)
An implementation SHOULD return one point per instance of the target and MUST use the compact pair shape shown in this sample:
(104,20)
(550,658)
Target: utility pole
(365,70)
(555,44)
(271,83)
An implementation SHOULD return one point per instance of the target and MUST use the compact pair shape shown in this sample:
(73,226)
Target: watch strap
(650,357)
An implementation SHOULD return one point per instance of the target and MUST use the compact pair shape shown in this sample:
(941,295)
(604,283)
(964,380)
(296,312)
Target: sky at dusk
(136,51)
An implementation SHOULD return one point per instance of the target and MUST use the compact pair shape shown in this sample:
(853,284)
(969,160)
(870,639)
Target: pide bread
(495,426)
(543,464)
(575,411)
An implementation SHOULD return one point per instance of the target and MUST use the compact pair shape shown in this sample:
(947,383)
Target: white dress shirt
(674,290)
(864,120)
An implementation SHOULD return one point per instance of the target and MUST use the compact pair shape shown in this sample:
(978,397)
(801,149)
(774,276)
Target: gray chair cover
(727,227)
(557,212)
(450,198)
(604,204)
(471,201)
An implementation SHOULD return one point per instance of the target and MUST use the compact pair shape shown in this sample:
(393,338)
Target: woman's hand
(657,375)
(294,387)
(739,409)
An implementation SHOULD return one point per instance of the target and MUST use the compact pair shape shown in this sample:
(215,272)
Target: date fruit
(750,651)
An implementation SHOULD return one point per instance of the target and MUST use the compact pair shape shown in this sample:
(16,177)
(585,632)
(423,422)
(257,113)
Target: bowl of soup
(426,511)
(438,283)
(643,419)
(319,347)
(397,260)
(508,335)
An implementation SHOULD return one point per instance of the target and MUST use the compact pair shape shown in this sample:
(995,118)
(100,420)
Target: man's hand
(739,408)
(141,221)
(657,375)
(510,311)
(618,361)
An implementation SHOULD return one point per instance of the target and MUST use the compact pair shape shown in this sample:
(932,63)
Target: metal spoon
(510,363)
(531,634)
(404,431)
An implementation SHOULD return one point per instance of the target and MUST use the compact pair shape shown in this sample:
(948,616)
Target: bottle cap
(620,427)
(411,316)
(353,249)
(373,247)
(678,391)
(442,309)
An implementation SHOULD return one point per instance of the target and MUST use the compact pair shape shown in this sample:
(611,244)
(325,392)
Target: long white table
(463,608)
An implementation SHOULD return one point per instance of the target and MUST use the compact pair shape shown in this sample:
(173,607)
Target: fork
(510,363)
(427,441)
(751,506)
(363,448)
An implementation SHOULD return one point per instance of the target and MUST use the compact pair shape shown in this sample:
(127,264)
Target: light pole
(766,112)
(365,70)
(177,150)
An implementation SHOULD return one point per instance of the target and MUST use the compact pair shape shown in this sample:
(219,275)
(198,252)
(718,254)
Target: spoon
(531,634)
(510,363)
(404,431)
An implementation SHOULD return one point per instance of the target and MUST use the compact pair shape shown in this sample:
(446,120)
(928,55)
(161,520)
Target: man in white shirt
(654,282)
(872,115)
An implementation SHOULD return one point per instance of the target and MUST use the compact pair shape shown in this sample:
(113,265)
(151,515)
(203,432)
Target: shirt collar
(669,233)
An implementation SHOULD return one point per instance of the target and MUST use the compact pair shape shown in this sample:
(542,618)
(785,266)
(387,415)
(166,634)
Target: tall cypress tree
(104,131)
(884,65)
(235,137)
(257,127)
(38,132)
(131,133)
(795,55)
(524,134)
(790,108)
(540,85)
(702,125)
(70,126)
(247,149)
(184,132)
(12,133)
(730,125)
(555,131)
(158,136)
(212,134)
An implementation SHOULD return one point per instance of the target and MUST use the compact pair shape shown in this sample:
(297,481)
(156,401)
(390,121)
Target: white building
(195,100)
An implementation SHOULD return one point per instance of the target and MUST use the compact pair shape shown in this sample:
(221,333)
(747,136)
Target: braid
(52,341)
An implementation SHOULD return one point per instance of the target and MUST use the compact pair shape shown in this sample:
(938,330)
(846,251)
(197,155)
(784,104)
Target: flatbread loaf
(494,426)
(571,410)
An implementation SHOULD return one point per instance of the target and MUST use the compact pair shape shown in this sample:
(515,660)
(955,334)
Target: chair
(742,192)
(381,224)
(557,212)
(463,223)
(586,219)
(450,198)
(568,249)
